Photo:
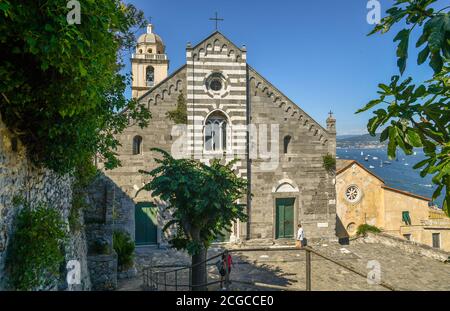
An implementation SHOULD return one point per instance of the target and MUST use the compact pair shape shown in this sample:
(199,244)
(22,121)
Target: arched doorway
(146,223)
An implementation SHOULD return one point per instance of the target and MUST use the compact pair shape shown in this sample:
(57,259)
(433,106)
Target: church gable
(218,44)
(173,84)
(260,85)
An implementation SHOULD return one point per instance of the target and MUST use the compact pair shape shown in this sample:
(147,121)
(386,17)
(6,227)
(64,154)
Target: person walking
(300,237)
(223,265)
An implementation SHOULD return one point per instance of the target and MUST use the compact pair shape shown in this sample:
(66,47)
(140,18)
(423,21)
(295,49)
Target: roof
(343,165)
(406,193)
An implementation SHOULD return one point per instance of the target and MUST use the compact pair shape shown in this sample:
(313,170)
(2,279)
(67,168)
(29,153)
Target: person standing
(300,237)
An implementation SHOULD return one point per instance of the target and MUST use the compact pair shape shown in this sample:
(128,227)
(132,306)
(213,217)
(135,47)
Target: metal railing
(155,279)
(150,56)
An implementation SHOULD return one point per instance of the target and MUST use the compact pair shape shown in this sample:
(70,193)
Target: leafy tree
(60,84)
(202,200)
(179,115)
(418,116)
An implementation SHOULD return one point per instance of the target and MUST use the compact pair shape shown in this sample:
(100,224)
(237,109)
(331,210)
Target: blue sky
(316,52)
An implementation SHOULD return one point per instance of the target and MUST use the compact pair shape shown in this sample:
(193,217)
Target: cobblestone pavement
(285,270)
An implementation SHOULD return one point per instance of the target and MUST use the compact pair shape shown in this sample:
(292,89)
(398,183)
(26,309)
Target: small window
(137,145)
(150,51)
(150,76)
(407,237)
(287,141)
(436,240)
(405,218)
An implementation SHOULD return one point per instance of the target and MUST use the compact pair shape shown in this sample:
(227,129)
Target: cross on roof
(331,114)
(217,20)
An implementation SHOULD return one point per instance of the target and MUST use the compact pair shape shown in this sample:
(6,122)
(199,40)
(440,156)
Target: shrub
(329,163)
(363,229)
(100,247)
(124,247)
(36,251)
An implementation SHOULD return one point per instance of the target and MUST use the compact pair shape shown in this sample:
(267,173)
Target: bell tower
(149,65)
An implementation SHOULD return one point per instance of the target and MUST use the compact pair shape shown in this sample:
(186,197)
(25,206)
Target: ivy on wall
(36,249)
(179,115)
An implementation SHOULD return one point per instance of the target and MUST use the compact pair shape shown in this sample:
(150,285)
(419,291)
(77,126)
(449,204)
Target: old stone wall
(408,246)
(108,209)
(297,173)
(126,180)
(19,178)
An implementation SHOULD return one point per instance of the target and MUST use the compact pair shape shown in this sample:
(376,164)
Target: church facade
(232,112)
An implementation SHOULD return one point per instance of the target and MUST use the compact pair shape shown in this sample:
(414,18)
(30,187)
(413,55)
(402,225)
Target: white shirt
(300,234)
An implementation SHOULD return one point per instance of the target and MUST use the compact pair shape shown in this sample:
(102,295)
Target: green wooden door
(284,218)
(146,223)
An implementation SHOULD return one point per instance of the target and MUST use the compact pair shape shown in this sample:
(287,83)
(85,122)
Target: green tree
(179,115)
(203,202)
(418,115)
(61,85)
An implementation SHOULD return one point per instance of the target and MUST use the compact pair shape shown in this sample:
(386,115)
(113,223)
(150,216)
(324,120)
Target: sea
(397,173)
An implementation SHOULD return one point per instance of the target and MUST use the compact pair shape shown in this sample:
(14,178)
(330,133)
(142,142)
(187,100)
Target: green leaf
(384,135)
(436,63)
(423,55)
(402,49)
(413,138)
(371,104)
(392,145)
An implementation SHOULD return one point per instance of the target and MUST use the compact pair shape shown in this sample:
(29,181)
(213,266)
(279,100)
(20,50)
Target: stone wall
(409,246)
(108,209)
(300,169)
(19,178)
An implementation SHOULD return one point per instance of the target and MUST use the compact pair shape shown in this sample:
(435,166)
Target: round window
(215,84)
(353,194)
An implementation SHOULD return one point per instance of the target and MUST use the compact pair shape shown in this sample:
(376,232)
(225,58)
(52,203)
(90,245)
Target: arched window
(137,145)
(287,140)
(150,76)
(215,132)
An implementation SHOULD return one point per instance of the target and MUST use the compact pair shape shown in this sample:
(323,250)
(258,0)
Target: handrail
(307,249)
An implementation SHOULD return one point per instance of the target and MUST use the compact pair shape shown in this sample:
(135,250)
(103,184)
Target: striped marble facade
(217,55)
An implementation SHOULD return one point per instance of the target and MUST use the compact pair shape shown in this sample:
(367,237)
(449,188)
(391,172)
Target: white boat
(362,153)
(406,164)
(371,166)
(375,158)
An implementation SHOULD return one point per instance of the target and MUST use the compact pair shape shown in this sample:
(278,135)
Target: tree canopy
(418,116)
(61,85)
(203,202)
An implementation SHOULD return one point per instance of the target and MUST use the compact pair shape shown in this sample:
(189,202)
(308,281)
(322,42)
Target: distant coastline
(364,141)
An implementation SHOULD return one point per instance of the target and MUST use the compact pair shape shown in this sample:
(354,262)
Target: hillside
(359,141)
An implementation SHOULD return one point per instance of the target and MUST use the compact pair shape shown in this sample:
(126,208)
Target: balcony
(149,56)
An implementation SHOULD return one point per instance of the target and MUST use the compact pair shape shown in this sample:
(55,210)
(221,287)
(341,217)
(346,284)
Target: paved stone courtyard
(285,270)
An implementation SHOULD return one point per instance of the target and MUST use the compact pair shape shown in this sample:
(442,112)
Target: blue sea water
(399,174)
